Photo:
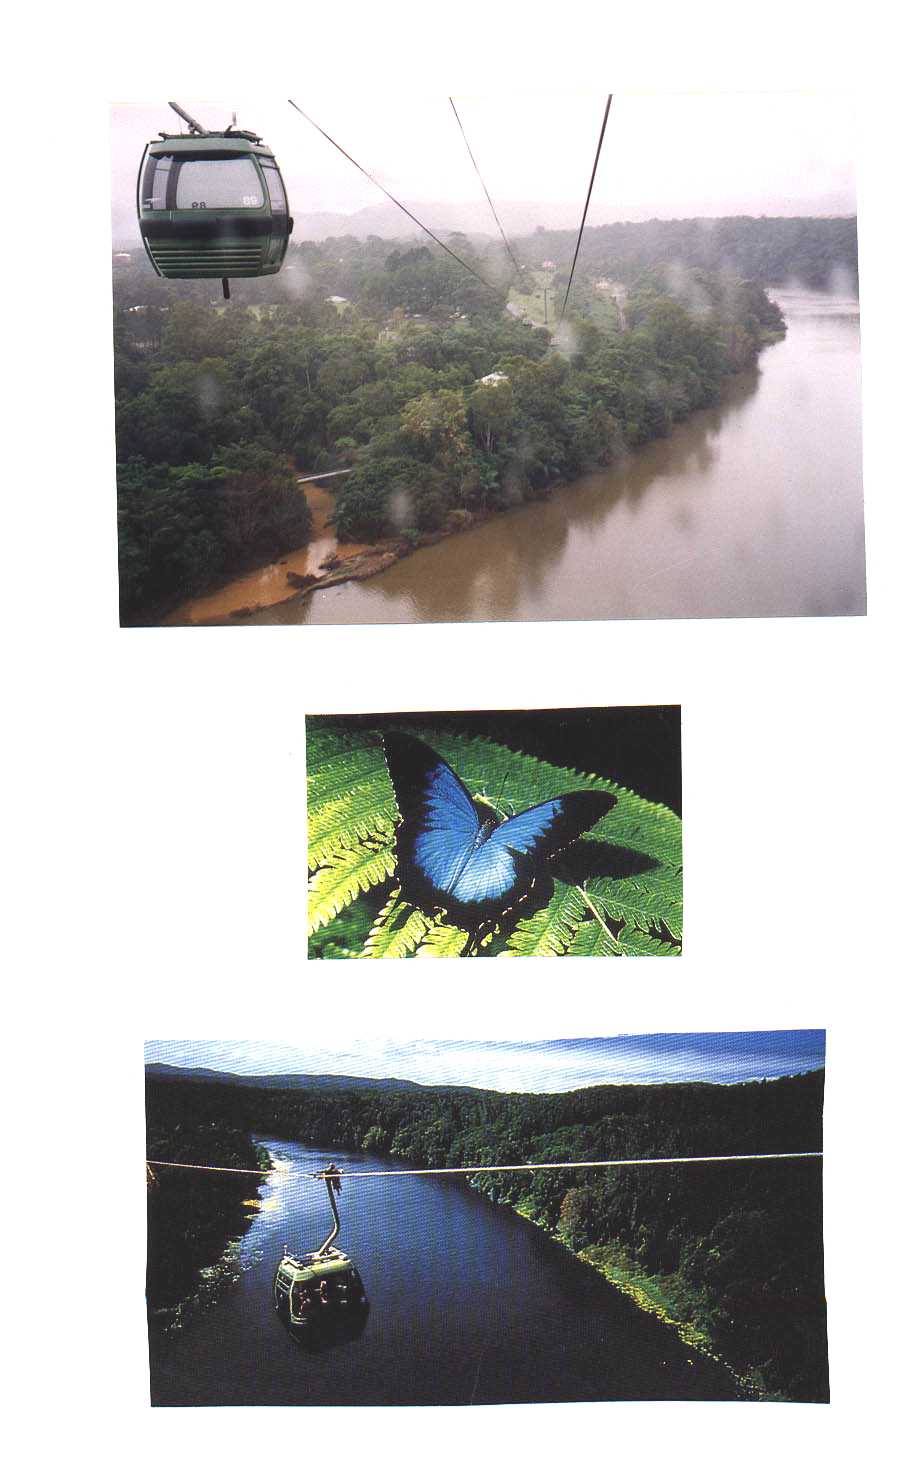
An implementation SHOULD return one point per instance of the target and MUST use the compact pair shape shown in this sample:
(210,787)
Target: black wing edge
(409,761)
(581,810)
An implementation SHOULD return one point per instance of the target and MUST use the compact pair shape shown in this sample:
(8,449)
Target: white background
(156,777)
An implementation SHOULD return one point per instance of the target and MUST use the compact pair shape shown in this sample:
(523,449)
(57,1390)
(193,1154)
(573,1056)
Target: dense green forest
(819,253)
(734,1251)
(192,1215)
(216,407)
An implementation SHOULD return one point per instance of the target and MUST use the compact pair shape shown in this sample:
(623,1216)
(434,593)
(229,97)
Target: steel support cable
(586,205)
(408,212)
(485,188)
(202,1167)
(494,1167)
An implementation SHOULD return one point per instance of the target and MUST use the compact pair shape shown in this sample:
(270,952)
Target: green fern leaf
(347,932)
(443,941)
(550,931)
(343,824)
(645,945)
(334,767)
(398,930)
(641,902)
(594,940)
(349,873)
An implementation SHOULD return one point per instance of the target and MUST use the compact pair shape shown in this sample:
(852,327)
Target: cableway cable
(485,188)
(495,1167)
(586,204)
(203,1167)
(408,212)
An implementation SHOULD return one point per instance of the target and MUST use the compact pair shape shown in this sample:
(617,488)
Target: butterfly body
(462,857)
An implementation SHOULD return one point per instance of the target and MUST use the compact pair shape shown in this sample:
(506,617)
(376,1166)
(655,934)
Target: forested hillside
(733,1252)
(370,356)
(192,1215)
(820,253)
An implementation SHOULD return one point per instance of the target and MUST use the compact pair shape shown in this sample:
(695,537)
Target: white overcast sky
(516,1065)
(665,155)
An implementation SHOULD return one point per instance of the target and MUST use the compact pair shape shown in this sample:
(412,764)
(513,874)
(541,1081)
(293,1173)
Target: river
(753,508)
(470,1304)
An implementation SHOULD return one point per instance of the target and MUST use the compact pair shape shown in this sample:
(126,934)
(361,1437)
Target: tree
(262,510)
(492,410)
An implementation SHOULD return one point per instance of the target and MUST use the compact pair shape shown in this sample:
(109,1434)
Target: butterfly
(462,857)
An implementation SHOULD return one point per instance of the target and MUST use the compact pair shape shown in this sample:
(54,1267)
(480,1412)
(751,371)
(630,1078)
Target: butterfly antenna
(502,787)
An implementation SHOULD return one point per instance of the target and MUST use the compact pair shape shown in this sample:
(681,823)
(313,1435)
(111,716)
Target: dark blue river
(470,1304)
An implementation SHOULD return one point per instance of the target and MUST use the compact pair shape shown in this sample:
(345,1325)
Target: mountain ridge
(290,1081)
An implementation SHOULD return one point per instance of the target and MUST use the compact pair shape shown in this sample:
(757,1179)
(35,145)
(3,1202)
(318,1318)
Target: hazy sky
(664,155)
(514,1065)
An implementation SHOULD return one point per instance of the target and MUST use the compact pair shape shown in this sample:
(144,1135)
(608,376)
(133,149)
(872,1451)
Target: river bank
(197,1219)
(324,563)
(666,1297)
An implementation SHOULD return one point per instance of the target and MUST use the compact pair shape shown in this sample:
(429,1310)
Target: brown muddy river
(750,509)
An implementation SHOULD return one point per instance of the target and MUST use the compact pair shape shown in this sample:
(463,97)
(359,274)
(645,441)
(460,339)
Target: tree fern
(617,894)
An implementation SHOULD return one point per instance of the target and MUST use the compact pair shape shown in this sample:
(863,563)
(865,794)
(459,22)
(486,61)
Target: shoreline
(364,561)
(209,1279)
(360,565)
(649,1293)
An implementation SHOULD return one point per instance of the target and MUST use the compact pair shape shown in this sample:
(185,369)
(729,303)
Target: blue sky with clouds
(517,1065)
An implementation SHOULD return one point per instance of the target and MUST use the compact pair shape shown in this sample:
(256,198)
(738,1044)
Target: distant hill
(519,218)
(288,1082)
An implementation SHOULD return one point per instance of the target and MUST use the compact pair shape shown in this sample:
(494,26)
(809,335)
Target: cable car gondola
(317,1290)
(212,205)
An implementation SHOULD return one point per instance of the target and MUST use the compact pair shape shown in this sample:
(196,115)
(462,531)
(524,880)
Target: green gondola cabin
(311,1289)
(212,205)
(323,1287)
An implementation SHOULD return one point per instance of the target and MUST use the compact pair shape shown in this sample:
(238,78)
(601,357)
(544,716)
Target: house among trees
(493,378)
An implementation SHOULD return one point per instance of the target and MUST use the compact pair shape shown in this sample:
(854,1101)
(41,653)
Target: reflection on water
(469,1304)
(752,508)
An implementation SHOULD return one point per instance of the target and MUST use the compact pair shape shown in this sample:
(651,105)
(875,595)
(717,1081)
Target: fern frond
(594,940)
(337,766)
(550,931)
(443,941)
(397,931)
(346,932)
(348,874)
(641,902)
(645,945)
(342,824)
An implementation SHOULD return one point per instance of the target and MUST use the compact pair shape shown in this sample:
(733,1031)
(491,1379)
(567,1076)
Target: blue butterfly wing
(449,828)
(440,824)
(496,867)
